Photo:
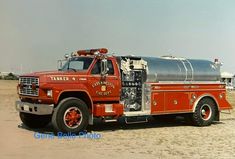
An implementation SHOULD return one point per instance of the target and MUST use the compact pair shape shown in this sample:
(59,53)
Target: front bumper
(38,109)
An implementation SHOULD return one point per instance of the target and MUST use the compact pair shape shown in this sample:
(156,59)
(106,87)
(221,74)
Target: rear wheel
(35,121)
(71,115)
(204,113)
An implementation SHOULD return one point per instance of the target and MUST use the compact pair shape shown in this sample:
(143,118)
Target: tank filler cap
(170,57)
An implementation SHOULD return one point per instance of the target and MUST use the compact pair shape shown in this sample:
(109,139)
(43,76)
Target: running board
(109,120)
(137,113)
(136,121)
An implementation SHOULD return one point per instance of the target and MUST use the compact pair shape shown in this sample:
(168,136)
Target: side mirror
(59,65)
(104,67)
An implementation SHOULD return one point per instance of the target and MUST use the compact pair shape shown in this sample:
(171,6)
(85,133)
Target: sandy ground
(139,141)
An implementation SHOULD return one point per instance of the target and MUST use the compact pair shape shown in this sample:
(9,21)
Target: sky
(34,34)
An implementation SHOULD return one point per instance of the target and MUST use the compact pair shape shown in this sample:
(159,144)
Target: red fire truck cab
(93,84)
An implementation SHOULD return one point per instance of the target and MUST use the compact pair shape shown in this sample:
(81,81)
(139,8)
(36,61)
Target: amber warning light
(92,51)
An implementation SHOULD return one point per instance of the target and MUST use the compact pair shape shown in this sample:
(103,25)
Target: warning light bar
(92,51)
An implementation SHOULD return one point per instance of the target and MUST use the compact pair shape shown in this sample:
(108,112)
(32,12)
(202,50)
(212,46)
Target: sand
(117,140)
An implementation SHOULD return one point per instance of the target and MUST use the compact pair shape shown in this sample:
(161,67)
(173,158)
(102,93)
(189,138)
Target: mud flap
(91,119)
(217,116)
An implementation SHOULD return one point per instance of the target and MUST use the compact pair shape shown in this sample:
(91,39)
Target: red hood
(55,76)
(45,73)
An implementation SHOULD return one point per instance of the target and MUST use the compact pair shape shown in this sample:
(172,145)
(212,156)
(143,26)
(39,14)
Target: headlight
(49,93)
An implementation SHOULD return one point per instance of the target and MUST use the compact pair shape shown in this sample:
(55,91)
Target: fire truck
(94,84)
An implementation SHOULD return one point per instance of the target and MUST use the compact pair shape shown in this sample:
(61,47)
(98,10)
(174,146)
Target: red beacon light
(92,51)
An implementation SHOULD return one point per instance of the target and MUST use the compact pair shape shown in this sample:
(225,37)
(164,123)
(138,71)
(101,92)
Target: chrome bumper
(38,109)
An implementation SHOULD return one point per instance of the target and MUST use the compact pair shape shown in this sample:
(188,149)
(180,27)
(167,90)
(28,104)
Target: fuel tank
(180,69)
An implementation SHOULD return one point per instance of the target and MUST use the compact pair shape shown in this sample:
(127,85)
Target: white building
(3,74)
(228,78)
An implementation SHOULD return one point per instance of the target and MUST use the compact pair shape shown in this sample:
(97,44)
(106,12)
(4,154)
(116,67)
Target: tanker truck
(94,84)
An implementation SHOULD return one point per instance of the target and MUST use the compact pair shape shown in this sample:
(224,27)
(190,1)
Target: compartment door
(177,101)
(158,102)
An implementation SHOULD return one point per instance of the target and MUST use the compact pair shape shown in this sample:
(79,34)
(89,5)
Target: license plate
(26,108)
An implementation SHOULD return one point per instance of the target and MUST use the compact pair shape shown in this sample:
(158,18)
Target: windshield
(77,64)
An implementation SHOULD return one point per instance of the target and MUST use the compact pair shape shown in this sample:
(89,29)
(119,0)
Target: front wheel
(71,115)
(204,113)
(35,121)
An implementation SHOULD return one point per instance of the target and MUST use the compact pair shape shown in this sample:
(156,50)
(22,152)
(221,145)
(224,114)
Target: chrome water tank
(181,69)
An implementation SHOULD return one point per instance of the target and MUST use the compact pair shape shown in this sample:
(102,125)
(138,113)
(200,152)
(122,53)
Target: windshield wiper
(72,69)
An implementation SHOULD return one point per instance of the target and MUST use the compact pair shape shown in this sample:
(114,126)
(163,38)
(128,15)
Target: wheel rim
(72,117)
(205,112)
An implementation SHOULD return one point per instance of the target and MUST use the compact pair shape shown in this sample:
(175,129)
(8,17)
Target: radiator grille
(29,86)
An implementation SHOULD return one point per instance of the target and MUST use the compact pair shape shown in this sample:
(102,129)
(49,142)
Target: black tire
(35,121)
(64,121)
(204,113)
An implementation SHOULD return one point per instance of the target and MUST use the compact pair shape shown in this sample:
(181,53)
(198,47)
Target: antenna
(21,69)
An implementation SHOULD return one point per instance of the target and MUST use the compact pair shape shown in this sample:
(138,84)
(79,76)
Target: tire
(204,113)
(70,116)
(35,121)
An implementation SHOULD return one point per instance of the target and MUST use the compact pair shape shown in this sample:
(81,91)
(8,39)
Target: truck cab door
(104,88)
